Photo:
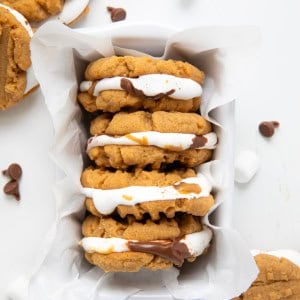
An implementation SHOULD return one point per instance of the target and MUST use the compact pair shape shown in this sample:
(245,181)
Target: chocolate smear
(14,171)
(267,129)
(12,188)
(127,85)
(198,142)
(116,14)
(174,251)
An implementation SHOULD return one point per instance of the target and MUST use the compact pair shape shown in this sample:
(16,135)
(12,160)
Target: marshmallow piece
(246,166)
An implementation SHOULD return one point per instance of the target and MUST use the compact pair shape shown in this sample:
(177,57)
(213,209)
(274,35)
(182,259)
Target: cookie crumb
(116,13)
(267,129)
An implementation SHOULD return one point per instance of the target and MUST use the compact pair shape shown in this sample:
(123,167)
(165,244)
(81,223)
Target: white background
(266,211)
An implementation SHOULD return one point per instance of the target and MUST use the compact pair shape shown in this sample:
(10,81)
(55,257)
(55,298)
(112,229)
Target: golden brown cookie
(148,230)
(142,153)
(107,180)
(129,66)
(155,209)
(128,261)
(15,34)
(278,279)
(160,121)
(113,100)
(35,10)
(40,10)
(163,231)
(121,157)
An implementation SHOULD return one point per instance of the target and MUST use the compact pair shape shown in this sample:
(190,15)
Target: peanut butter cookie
(35,10)
(38,10)
(278,279)
(140,121)
(15,34)
(115,101)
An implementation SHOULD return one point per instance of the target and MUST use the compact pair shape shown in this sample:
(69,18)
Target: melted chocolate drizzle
(171,250)
(127,85)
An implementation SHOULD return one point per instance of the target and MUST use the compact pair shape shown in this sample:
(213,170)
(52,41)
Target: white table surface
(266,211)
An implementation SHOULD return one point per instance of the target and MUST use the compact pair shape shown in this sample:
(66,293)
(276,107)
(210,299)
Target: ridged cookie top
(147,231)
(126,123)
(129,66)
(104,179)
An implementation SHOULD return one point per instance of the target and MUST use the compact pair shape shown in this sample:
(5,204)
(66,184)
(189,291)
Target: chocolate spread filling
(174,251)
(127,85)
(198,141)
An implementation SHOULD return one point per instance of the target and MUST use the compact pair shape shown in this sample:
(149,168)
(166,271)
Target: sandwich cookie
(117,83)
(17,79)
(146,192)
(67,11)
(144,139)
(128,245)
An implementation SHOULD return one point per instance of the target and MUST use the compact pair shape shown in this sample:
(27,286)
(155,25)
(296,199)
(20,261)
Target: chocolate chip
(14,171)
(267,129)
(12,188)
(198,142)
(116,14)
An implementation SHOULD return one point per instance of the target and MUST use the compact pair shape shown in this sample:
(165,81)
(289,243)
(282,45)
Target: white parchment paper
(59,56)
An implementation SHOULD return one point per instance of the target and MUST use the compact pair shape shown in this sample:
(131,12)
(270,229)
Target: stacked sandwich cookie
(144,198)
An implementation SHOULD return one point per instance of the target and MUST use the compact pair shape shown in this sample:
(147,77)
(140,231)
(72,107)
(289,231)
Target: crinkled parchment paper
(59,56)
